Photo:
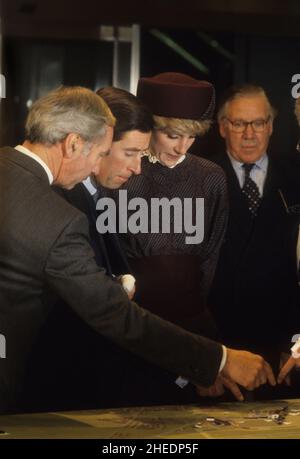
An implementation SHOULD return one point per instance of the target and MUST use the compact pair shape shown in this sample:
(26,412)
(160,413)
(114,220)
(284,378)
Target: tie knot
(248,168)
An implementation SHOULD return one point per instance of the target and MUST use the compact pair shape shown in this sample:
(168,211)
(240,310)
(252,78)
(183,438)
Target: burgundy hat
(176,95)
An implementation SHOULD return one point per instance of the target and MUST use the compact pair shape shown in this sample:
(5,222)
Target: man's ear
(70,144)
(271,127)
(222,129)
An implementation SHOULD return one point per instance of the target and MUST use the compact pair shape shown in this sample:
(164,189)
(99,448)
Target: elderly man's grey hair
(245,90)
(67,110)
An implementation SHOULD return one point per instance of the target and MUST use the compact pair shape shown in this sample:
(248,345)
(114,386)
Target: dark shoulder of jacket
(69,195)
(56,205)
(205,166)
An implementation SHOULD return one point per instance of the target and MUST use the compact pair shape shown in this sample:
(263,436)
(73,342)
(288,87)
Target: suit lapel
(111,241)
(80,198)
(272,205)
(119,256)
(98,239)
(238,211)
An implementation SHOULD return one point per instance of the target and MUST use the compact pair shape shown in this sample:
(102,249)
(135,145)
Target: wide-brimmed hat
(176,95)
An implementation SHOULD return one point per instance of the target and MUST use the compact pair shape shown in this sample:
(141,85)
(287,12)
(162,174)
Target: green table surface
(272,419)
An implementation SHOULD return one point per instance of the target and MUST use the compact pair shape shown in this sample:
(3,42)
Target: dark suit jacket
(45,252)
(107,248)
(69,373)
(253,294)
(61,377)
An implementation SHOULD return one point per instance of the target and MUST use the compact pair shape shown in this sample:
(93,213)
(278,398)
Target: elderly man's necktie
(250,191)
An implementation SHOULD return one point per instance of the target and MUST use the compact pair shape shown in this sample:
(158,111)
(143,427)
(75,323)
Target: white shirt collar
(182,158)
(154,159)
(90,185)
(262,163)
(32,155)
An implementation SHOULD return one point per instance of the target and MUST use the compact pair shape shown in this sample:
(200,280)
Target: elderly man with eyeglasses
(253,294)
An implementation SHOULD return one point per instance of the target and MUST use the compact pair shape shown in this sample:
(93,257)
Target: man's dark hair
(130,112)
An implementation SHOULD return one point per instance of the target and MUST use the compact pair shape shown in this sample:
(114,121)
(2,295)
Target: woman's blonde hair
(181,126)
(177,126)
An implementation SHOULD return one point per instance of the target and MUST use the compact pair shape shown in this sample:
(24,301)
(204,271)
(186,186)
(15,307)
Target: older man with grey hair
(44,253)
(255,284)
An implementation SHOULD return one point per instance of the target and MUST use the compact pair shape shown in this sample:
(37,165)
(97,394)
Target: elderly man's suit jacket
(45,252)
(253,294)
(68,373)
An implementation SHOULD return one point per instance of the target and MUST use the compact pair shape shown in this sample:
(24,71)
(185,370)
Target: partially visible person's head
(245,121)
(297,113)
(182,109)
(76,124)
(297,110)
(134,123)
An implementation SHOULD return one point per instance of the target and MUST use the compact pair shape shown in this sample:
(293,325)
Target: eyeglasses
(241,125)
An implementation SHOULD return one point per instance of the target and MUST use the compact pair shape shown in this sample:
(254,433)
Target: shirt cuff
(182,382)
(296,349)
(224,358)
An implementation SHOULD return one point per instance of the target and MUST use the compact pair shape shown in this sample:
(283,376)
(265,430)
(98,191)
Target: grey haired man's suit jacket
(45,253)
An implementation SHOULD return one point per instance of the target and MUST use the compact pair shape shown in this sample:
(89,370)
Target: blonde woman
(174,270)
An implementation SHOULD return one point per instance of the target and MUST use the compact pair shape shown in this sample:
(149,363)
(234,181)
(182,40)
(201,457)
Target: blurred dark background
(95,43)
